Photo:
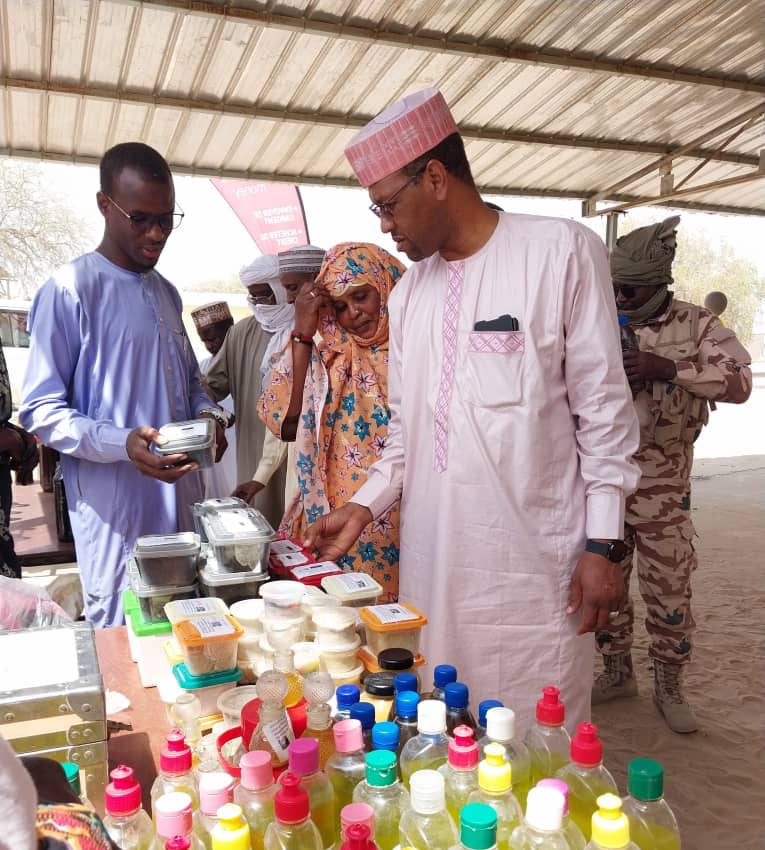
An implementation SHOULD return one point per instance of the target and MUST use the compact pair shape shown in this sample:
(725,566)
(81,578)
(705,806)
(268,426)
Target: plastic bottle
(355,813)
(304,762)
(231,832)
(547,740)
(478,827)
(318,689)
(173,817)
(398,660)
(274,730)
(403,682)
(365,713)
(379,691)
(495,788)
(284,662)
(571,831)
(443,674)
(72,773)
(457,699)
(460,771)
(185,713)
(215,790)
(483,708)
(500,728)
(385,736)
(406,717)
(652,823)
(382,790)
(358,838)
(610,826)
(255,794)
(128,825)
(345,696)
(542,828)
(426,825)
(177,842)
(429,748)
(292,827)
(347,767)
(630,342)
(585,776)
(175,774)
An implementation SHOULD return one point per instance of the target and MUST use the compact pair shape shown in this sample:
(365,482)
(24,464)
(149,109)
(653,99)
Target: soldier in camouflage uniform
(688,360)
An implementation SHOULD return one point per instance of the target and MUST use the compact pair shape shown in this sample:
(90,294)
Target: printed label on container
(194,607)
(392,613)
(213,627)
(279,735)
(284,547)
(315,570)
(292,559)
(236,521)
(354,582)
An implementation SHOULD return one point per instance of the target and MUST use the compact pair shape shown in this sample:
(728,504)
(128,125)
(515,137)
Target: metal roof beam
(353,122)
(578,61)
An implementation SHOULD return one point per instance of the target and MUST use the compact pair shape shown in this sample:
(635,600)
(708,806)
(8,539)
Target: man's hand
(597,588)
(642,366)
(12,445)
(221,443)
(334,534)
(248,491)
(169,468)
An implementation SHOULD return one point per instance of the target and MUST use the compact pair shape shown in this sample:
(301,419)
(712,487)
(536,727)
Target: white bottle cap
(427,789)
(544,808)
(500,724)
(431,716)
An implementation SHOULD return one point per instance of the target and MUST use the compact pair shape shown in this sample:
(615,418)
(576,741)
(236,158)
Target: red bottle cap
(123,793)
(357,838)
(550,710)
(291,802)
(463,750)
(178,843)
(586,747)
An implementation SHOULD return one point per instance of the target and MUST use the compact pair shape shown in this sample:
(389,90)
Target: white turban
(263,269)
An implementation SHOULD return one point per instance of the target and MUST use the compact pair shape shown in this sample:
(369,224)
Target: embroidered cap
(211,314)
(305,258)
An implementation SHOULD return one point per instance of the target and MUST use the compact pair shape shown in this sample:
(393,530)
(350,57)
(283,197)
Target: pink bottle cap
(348,736)
(175,756)
(558,785)
(291,804)
(173,815)
(123,793)
(304,756)
(463,750)
(361,813)
(586,747)
(550,710)
(215,790)
(178,842)
(357,838)
(257,772)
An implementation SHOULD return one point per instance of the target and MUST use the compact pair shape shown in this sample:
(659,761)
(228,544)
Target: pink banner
(272,213)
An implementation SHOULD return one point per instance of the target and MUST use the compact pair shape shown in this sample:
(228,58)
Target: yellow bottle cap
(610,827)
(231,832)
(494,773)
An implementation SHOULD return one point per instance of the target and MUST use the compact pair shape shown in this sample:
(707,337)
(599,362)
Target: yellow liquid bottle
(652,822)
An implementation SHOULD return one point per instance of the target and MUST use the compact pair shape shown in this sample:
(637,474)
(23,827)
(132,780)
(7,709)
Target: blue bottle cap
(405,682)
(624,320)
(456,695)
(347,695)
(484,706)
(406,705)
(385,736)
(443,674)
(365,713)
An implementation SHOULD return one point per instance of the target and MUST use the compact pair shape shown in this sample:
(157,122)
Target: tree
(38,232)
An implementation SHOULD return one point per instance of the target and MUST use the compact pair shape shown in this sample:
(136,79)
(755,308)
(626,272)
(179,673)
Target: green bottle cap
(645,779)
(478,826)
(381,768)
(72,772)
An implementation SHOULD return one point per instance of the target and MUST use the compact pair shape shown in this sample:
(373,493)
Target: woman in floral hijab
(331,397)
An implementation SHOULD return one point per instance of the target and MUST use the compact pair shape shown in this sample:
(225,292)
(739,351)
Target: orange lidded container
(208,644)
(395,624)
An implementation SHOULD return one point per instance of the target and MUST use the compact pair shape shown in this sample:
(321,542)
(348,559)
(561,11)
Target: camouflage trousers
(659,536)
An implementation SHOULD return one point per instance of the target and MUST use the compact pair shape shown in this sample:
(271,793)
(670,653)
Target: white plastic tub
(340,660)
(335,627)
(282,634)
(249,614)
(283,599)
(231,702)
(354,589)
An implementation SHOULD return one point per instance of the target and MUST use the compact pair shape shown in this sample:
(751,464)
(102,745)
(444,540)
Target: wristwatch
(614,550)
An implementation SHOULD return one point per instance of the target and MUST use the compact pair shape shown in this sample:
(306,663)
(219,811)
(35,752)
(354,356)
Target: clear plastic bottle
(547,740)
(284,662)
(629,342)
(443,674)
(347,767)
(382,790)
(355,813)
(385,736)
(495,788)
(175,774)
(542,828)
(426,825)
(652,822)
(304,762)
(292,827)
(457,699)
(500,729)
(255,794)
(460,771)
(345,697)
(185,713)
(429,748)
(585,776)
(365,713)
(610,826)
(483,708)
(571,831)
(128,825)
(274,730)
(318,689)
(403,682)
(177,842)
(173,816)
(215,790)
(358,838)
(231,832)
(406,717)
(478,827)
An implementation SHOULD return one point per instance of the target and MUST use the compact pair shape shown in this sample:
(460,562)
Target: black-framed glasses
(143,222)
(627,290)
(386,207)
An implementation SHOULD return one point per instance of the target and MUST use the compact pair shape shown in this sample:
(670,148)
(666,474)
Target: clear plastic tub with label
(194,437)
(249,615)
(213,506)
(341,659)
(240,540)
(208,643)
(284,600)
(153,598)
(355,589)
(396,624)
(335,627)
(167,559)
(230,587)
(185,609)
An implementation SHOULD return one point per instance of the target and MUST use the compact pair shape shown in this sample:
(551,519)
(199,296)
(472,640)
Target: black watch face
(618,550)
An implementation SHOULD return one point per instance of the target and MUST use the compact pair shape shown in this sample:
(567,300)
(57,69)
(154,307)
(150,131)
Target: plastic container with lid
(149,640)
(283,634)
(315,599)
(208,643)
(249,615)
(153,598)
(394,625)
(355,589)
(166,560)
(341,659)
(352,677)
(230,587)
(369,660)
(240,540)
(379,690)
(335,626)
(231,703)
(208,688)
(213,506)
(193,437)
(186,609)
(283,600)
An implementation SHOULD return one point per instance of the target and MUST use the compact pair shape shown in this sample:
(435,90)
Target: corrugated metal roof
(554,97)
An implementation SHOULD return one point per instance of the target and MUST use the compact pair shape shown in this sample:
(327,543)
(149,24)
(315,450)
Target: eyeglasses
(386,207)
(627,291)
(143,222)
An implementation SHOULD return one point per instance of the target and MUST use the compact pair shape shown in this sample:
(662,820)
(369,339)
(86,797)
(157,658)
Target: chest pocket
(494,369)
